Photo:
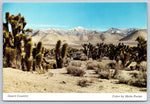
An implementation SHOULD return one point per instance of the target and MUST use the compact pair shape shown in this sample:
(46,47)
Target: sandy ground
(57,81)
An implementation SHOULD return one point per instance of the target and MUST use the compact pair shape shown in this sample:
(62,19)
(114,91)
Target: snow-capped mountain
(75,31)
(80,35)
(121,31)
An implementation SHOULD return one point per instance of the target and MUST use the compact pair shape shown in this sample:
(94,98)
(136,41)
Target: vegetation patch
(75,71)
(84,83)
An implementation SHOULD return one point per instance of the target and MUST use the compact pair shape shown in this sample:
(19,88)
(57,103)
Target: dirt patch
(55,81)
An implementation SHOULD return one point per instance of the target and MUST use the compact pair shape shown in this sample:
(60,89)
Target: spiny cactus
(29,65)
(18,46)
(64,50)
(39,47)
(47,67)
(10,55)
(28,50)
(12,36)
(34,64)
(39,58)
(142,49)
(60,53)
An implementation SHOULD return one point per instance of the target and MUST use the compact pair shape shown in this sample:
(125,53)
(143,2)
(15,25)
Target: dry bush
(67,61)
(76,63)
(140,81)
(143,66)
(39,71)
(116,72)
(136,79)
(105,72)
(76,71)
(84,58)
(84,83)
(99,67)
(124,78)
(94,65)
(90,66)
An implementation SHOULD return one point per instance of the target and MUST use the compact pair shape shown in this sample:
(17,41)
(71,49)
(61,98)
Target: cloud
(46,25)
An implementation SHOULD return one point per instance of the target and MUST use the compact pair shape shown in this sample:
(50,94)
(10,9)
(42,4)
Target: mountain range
(127,31)
(80,35)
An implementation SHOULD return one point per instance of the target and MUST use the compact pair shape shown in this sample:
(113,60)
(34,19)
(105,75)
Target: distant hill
(134,35)
(127,31)
(75,31)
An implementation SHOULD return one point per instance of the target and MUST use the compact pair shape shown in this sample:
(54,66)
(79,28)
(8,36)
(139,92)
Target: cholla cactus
(142,49)
(17,46)
(39,47)
(10,54)
(12,36)
(28,50)
(29,65)
(60,54)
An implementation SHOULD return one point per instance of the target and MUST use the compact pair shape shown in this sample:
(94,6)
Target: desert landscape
(76,60)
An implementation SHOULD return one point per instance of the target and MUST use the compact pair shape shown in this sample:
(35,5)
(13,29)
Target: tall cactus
(18,46)
(60,54)
(10,56)
(141,49)
(12,36)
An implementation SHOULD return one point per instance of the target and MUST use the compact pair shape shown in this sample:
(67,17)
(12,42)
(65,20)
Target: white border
(75,96)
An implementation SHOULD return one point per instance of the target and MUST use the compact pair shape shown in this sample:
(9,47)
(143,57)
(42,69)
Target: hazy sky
(99,16)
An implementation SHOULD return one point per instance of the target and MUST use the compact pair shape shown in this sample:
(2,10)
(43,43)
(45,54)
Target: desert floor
(57,81)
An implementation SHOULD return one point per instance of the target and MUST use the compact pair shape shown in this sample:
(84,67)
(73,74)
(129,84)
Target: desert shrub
(124,78)
(76,63)
(97,71)
(105,74)
(76,71)
(67,61)
(116,72)
(99,68)
(136,79)
(90,66)
(52,64)
(84,83)
(143,66)
(84,58)
(94,65)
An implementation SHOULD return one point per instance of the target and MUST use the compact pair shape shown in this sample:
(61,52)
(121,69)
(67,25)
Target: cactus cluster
(71,51)
(13,36)
(125,53)
(18,50)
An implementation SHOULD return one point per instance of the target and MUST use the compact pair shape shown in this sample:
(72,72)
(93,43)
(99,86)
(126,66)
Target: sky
(97,16)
